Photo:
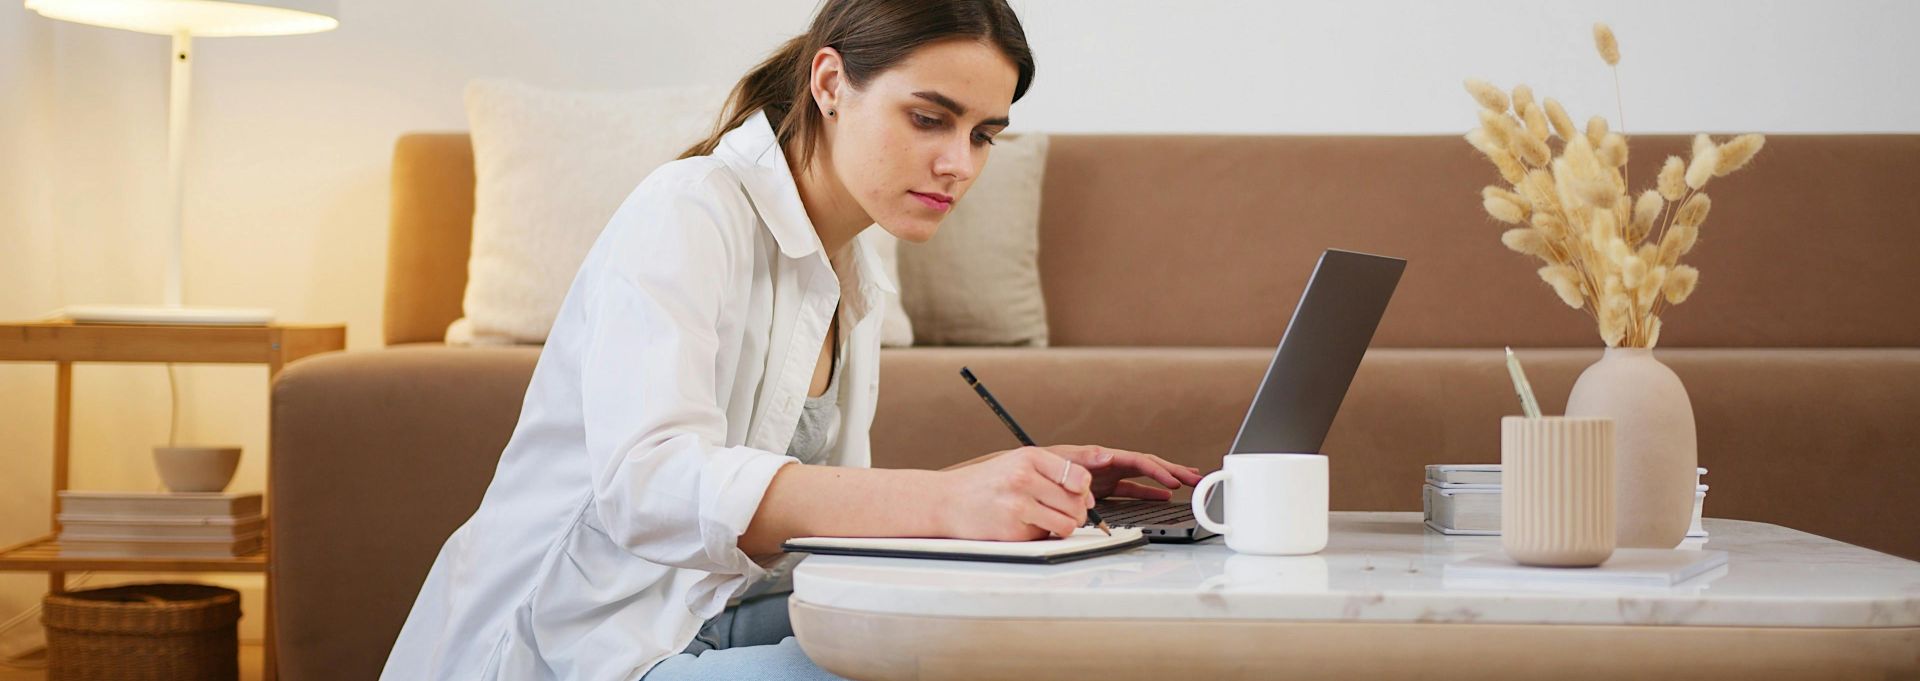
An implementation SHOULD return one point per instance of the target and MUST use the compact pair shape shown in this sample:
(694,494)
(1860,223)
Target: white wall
(287,185)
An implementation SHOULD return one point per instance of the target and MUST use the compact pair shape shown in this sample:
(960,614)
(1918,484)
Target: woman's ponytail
(775,84)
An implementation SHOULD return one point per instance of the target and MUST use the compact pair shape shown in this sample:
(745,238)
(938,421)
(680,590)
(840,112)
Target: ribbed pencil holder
(1556,490)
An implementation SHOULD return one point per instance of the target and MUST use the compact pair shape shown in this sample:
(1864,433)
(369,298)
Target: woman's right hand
(1016,495)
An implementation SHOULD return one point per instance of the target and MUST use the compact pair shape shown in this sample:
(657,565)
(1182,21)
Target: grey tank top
(819,415)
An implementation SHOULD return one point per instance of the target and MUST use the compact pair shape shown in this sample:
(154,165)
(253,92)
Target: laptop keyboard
(1139,512)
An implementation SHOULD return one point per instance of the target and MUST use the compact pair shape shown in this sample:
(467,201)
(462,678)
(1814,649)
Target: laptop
(1304,385)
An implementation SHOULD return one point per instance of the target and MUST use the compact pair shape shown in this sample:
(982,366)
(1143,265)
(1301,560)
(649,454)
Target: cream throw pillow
(550,168)
(977,281)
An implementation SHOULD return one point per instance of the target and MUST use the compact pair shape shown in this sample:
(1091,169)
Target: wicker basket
(144,632)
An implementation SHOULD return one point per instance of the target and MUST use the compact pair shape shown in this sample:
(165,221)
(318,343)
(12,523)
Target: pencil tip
(1103,528)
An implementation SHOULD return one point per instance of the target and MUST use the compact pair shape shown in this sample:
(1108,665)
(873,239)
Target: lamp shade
(208,18)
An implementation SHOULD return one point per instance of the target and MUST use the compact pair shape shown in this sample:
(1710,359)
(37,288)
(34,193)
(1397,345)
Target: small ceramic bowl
(196,468)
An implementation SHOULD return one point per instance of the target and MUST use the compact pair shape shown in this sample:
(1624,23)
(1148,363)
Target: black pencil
(1092,515)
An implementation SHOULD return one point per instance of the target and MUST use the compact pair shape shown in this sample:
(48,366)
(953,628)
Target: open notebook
(1086,542)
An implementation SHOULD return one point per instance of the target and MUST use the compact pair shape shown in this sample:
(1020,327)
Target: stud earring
(830,112)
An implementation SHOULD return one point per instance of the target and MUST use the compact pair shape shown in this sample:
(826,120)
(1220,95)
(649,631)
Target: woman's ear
(826,80)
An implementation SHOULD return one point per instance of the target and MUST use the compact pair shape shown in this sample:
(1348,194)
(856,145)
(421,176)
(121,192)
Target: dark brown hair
(871,36)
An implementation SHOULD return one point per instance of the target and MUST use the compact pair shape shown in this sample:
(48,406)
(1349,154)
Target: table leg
(62,442)
(269,669)
(269,666)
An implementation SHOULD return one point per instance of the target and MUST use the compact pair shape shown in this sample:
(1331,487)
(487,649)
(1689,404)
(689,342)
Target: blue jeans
(746,642)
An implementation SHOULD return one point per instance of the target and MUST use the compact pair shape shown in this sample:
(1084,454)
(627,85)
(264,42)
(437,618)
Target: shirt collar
(754,153)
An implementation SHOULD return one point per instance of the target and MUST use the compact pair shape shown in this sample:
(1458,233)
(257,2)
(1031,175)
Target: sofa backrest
(1207,240)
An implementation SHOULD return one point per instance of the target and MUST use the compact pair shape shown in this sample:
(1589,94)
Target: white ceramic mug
(1277,503)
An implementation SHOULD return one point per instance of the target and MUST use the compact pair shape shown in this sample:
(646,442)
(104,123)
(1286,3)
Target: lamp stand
(179,101)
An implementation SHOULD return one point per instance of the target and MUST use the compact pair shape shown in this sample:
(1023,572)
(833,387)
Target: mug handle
(1200,494)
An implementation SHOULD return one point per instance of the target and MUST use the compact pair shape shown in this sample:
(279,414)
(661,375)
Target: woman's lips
(931,201)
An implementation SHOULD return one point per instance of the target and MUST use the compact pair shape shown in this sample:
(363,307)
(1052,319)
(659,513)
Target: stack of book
(159,524)
(1465,499)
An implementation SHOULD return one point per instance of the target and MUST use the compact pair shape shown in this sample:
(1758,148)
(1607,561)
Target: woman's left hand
(1111,469)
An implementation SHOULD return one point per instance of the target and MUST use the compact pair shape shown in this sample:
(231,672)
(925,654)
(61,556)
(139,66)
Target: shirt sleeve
(664,485)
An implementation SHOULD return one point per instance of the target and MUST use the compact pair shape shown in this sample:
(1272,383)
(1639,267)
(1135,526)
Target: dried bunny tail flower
(1650,287)
(1490,191)
(1673,179)
(1563,186)
(1645,212)
(1503,129)
(1588,176)
(1522,97)
(1600,228)
(1536,120)
(1613,315)
(1489,96)
(1503,209)
(1694,212)
(1566,283)
(1531,149)
(1608,45)
(1613,150)
(1527,241)
(1653,332)
(1510,168)
(1678,242)
(1483,141)
(1680,284)
(1539,190)
(1701,169)
(1601,187)
(1701,143)
(1550,226)
(1613,328)
(1596,131)
(1632,270)
(1618,251)
(1735,153)
(1562,123)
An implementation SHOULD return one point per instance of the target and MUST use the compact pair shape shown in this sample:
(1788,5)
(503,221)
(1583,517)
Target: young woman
(708,385)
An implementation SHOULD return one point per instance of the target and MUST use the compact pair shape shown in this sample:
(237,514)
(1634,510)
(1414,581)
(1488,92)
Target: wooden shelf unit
(43,553)
(63,343)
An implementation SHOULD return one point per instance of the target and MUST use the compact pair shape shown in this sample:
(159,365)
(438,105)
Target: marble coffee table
(1376,603)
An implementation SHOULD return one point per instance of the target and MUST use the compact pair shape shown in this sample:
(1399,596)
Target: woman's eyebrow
(956,108)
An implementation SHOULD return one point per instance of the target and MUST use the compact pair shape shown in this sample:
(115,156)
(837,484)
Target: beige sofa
(1170,264)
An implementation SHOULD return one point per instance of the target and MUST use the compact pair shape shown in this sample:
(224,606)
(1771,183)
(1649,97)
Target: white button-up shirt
(673,377)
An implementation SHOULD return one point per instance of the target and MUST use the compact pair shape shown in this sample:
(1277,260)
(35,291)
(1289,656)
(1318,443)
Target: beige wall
(286,190)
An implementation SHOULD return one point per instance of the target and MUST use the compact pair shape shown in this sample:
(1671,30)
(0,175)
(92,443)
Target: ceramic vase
(1655,449)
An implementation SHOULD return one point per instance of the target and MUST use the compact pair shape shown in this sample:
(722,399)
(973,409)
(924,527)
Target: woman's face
(909,145)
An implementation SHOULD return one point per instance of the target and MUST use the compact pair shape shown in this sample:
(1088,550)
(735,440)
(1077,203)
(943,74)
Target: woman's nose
(955,160)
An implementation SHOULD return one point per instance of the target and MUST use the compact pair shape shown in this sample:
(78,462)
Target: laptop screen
(1319,353)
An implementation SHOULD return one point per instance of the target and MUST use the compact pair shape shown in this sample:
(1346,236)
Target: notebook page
(1085,538)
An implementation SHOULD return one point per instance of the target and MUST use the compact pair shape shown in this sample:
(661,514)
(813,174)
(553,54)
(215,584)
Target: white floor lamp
(184,19)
